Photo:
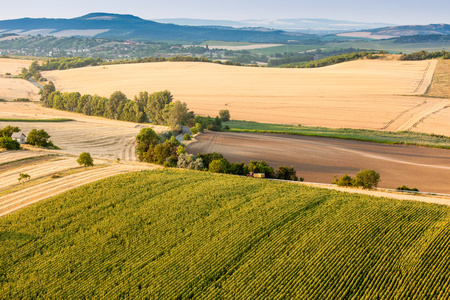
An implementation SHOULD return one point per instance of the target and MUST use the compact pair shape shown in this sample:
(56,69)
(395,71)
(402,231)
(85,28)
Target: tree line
(422,55)
(332,60)
(169,152)
(158,107)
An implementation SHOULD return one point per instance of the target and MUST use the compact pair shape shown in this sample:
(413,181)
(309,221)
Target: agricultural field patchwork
(103,138)
(179,234)
(50,174)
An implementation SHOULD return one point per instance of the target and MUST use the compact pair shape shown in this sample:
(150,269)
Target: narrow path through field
(25,197)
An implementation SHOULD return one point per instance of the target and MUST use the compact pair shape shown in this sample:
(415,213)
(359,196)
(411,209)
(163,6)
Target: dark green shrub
(405,188)
(344,180)
(366,179)
(238,169)
(209,157)
(187,137)
(39,138)
(219,166)
(224,114)
(286,173)
(8,143)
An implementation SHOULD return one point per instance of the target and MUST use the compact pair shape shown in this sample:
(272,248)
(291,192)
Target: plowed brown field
(369,94)
(319,159)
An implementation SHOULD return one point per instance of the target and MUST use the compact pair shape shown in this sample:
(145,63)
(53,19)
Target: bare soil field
(13,66)
(368,94)
(319,159)
(12,88)
(102,138)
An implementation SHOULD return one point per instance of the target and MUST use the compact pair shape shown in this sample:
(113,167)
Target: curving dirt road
(319,159)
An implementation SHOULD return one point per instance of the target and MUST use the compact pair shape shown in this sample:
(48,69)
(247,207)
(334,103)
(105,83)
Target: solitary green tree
(85,159)
(23,177)
(224,114)
(366,179)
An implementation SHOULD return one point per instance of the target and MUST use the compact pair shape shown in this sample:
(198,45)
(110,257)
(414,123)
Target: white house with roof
(19,137)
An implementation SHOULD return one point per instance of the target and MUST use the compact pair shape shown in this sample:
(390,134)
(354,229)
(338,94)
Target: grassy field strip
(9,156)
(383,137)
(9,178)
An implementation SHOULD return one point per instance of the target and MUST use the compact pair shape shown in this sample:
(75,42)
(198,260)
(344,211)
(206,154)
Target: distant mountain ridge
(116,26)
(409,30)
(306,25)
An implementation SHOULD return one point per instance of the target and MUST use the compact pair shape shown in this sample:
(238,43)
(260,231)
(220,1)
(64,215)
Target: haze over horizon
(400,12)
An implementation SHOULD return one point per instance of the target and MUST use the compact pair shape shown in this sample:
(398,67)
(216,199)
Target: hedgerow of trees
(158,107)
(332,60)
(422,55)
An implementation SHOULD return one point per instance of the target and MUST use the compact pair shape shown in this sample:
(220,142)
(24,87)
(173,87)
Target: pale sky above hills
(402,12)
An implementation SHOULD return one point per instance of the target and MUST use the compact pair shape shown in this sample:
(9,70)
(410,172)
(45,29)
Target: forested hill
(410,30)
(126,27)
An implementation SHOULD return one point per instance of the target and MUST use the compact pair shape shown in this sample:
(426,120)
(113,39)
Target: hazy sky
(386,11)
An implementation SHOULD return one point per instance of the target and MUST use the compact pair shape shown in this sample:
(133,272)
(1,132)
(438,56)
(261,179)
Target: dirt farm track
(319,159)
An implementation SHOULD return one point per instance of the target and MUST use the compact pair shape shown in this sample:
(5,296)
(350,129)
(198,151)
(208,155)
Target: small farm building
(20,137)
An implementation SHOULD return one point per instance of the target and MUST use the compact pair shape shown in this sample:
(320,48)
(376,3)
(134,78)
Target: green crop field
(382,137)
(175,234)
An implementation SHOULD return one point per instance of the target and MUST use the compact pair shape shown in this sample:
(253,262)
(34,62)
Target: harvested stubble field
(15,196)
(369,94)
(99,136)
(12,88)
(13,66)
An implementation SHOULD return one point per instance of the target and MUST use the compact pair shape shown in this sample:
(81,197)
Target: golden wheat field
(371,94)
(12,88)
(13,66)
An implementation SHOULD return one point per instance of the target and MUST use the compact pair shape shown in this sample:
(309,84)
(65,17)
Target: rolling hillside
(124,27)
(354,94)
(172,234)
